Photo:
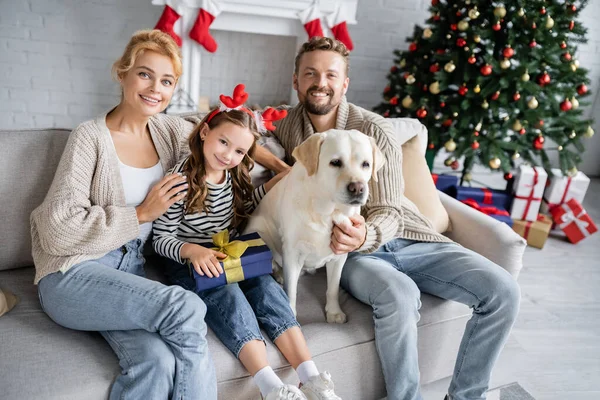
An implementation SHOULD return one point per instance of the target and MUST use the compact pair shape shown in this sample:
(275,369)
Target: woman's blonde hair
(147,40)
(240,175)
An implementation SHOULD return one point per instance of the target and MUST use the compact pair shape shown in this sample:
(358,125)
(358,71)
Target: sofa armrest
(483,234)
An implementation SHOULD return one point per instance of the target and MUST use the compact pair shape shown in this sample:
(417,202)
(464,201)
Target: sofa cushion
(419,187)
(28,169)
(48,359)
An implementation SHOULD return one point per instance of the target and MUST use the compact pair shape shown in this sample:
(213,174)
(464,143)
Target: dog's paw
(336,318)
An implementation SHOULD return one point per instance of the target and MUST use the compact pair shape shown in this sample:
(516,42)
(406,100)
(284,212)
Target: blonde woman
(88,234)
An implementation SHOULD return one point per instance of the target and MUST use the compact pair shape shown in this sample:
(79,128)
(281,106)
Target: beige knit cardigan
(84,215)
(388,213)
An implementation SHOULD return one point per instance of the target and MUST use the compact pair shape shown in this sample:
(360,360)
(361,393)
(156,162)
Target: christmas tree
(492,82)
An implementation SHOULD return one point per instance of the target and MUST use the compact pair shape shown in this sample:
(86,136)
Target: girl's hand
(204,260)
(273,181)
(162,196)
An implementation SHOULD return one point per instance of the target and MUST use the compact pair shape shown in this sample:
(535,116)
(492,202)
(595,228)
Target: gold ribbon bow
(232,264)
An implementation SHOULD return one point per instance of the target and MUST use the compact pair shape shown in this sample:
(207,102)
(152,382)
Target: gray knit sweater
(84,215)
(388,213)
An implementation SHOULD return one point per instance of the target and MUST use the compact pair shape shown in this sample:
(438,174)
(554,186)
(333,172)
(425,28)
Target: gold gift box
(535,232)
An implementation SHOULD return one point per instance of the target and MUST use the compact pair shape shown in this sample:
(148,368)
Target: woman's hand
(162,196)
(205,261)
(273,181)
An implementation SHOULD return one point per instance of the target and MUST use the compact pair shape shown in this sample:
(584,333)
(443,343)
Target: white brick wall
(55,58)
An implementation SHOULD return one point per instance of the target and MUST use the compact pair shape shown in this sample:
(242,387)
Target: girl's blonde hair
(240,175)
(147,40)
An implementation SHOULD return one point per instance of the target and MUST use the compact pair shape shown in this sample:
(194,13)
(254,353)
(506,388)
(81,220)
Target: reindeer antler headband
(264,120)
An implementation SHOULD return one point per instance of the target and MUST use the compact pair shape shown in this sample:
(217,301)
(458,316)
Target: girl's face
(224,147)
(148,86)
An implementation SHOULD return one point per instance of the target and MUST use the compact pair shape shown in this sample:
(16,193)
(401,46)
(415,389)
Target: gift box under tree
(561,189)
(445,183)
(535,232)
(528,189)
(488,197)
(574,221)
(247,257)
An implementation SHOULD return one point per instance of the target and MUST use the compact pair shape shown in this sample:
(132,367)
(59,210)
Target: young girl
(220,196)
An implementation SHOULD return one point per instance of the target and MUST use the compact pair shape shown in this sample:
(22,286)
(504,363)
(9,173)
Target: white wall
(55,58)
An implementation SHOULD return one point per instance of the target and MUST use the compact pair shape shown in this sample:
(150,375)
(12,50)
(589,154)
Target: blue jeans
(157,331)
(233,309)
(391,280)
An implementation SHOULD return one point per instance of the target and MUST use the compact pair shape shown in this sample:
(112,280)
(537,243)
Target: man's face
(321,81)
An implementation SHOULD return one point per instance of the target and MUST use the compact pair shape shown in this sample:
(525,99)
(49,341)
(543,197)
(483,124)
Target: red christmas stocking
(337,24)
(311,19)
(206,15)
(167,21)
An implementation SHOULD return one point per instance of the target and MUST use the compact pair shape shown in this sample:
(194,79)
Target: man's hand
(347,238)
(268,160)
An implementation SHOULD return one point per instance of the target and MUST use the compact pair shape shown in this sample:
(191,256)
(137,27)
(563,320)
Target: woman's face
(148,86)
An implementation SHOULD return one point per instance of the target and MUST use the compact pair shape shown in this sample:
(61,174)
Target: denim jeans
(391,280)
(158,332)
(234,311)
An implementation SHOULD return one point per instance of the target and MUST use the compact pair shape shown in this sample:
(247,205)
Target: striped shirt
(176,228)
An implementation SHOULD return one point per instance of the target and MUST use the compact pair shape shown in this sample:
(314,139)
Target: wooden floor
(554,349)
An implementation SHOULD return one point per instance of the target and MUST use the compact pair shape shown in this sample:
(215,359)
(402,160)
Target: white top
(137,182)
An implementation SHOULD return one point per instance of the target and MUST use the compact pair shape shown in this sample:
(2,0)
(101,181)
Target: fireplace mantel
(267,17)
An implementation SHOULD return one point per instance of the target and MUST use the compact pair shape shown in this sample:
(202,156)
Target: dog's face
(341,163)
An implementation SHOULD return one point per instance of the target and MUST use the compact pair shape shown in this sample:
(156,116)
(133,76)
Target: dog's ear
(308,152)
(378,159)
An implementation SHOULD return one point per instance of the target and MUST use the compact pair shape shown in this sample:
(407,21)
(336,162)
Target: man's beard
(318,109)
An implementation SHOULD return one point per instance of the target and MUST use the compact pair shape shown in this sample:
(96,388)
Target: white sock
(266,379)
(307,370)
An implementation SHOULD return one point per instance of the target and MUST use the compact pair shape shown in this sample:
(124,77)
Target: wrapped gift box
(248,257)
(498,213)
(446,183)
(574,221)
(535,232)
(561,189)
(488,197)
(528,189)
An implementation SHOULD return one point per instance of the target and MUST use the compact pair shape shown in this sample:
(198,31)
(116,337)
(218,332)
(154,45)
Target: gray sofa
(42,360)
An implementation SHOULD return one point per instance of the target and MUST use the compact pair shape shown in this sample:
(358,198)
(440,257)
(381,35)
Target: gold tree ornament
(410,79)
(468,177)
(495,163)
(407,102)
(434,88)
(525,77)
(485,105)
(449,67)
(559,148)
(574,102)
(533,103)
(477,38)
(549,22)
(517,125)
(589,132)
(402,63)
(477,89)
(516,155)
(572,172)
(521,12)
(505,64)
(427,33)
(572,135)
(473,13)
(500,11)
(463,25)
(450,145)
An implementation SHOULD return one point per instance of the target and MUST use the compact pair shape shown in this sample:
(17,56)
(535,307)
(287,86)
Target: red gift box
(574,221)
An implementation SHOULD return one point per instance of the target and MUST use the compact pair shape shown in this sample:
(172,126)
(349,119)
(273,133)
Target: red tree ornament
(442,104)
(463,90)
(454,165)
(495,96)
(522,131)
(475,145)
(453,27)
(540,124)
(508,52)
(582,89)
(394,100)
(532,44)
(387,89)
(496,26)
(508,176)
(571,25)
(538,142)
(393,69)
(543,11)
(412,47)
(472,59)
(566,105)
(572,7)
(516,96)
(567,56)
(486,70)
(386,113)
(460,42)
(447,122)
(434,68)
(421,113)
(563,45)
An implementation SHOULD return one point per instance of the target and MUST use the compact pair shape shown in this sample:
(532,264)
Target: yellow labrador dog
(328,183)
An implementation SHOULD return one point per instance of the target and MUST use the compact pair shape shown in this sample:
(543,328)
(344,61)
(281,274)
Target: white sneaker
(286,392)
(320,388)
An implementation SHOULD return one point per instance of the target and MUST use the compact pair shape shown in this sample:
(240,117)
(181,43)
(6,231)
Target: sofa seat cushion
(48,359)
